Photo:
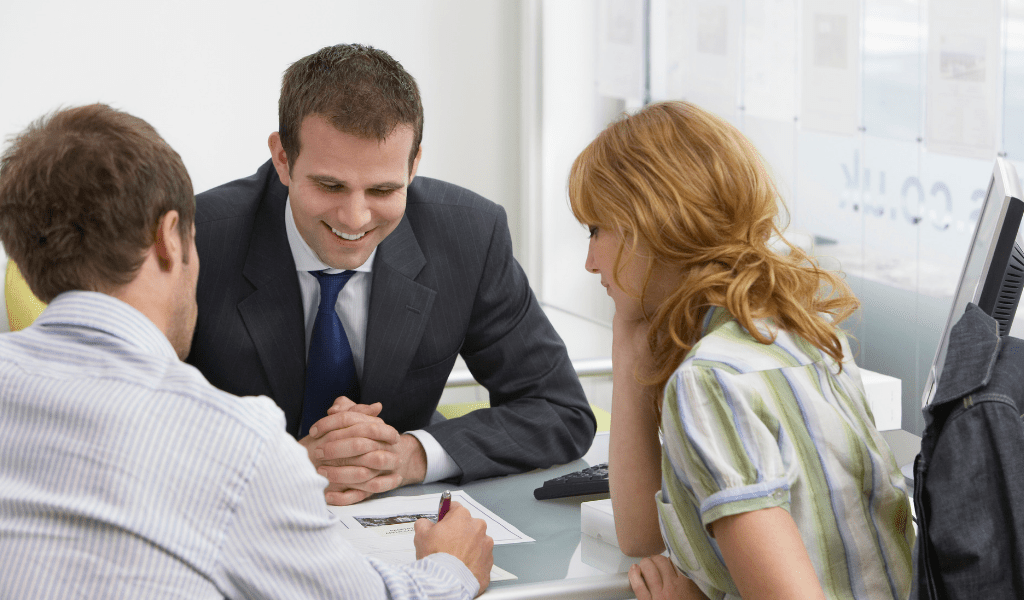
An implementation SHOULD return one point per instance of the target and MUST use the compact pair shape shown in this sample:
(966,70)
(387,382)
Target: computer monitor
(993,272)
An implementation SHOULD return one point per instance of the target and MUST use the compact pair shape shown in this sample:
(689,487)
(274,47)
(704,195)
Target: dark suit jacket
(444,283)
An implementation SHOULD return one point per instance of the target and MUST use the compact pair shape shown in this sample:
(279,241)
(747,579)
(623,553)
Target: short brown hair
(361,90)
(691,191)
(81,193)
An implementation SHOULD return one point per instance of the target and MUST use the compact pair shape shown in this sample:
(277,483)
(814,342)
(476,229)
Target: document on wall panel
(830,66)
(892,85)
(704,45)
(770,59)
(1012,111)
(964,67)
(620,49)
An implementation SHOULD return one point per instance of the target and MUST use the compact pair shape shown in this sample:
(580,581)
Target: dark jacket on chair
(969,476)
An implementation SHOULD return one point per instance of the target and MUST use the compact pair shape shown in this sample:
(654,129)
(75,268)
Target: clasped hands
(360,454)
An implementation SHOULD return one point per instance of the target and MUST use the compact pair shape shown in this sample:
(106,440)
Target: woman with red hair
(741,437)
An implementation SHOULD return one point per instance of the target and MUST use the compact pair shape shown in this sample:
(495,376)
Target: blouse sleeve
(726,440)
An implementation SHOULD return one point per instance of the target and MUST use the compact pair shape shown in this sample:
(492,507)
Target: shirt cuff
(733,501)
(458,569)
(439,464)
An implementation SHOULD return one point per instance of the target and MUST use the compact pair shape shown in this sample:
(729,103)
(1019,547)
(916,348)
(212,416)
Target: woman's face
(604,247)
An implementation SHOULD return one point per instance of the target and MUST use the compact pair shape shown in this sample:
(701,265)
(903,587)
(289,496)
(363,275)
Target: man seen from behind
(124,473)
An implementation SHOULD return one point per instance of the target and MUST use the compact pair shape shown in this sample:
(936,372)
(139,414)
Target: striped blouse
(749,426)
(124,474)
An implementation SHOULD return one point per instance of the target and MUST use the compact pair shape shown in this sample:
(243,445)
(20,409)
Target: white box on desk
(597,520)
(599,546)
(885,397)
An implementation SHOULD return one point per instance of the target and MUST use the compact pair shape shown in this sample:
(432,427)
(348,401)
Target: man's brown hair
(361,90)
(81,193)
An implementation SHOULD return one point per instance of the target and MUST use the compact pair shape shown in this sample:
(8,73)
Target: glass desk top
(562,562)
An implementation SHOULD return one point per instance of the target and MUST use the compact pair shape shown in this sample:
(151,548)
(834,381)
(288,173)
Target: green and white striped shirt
(749,426)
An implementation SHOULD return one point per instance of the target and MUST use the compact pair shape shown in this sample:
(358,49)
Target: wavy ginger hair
(691,193)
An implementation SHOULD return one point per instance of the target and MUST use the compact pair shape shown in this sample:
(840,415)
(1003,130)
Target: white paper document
(964,70)
(830,86)
(769,59)
(383,527)
(620,49)
(704,40)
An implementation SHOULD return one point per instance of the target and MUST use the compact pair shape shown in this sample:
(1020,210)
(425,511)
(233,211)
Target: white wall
(571,113)
(207,73)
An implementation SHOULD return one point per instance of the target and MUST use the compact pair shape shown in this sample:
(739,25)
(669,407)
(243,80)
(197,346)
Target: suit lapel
(399,307)
(273,312)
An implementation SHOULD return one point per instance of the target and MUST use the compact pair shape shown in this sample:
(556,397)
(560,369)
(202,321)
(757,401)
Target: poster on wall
(620,49)
(964,70)
(830,66)
(703,47)
(769,60)
(892,70)
(1013,85)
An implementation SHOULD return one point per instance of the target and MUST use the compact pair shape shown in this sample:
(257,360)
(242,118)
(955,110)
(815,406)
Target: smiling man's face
(347,192)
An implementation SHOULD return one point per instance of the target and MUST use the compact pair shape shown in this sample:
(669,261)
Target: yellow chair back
(22,305)
(452,411)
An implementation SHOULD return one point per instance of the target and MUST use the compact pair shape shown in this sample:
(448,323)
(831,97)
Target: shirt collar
(105,313)
(971,355)
(715,318)
(305,258)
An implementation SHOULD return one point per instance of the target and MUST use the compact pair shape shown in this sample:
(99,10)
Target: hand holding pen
(460,535)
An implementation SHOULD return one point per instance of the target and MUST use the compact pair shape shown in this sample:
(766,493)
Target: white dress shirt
(125,474)
(353,309)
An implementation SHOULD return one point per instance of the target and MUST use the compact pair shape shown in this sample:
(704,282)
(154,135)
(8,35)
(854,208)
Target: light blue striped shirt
(123,473)
(749,426)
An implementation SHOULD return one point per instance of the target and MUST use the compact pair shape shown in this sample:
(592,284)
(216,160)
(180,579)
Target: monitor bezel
(1003,201)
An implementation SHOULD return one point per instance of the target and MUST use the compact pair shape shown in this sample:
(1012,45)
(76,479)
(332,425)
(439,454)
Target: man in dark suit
(425,272)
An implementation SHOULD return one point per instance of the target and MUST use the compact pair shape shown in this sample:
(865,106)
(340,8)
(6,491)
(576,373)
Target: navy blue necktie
(330,371)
